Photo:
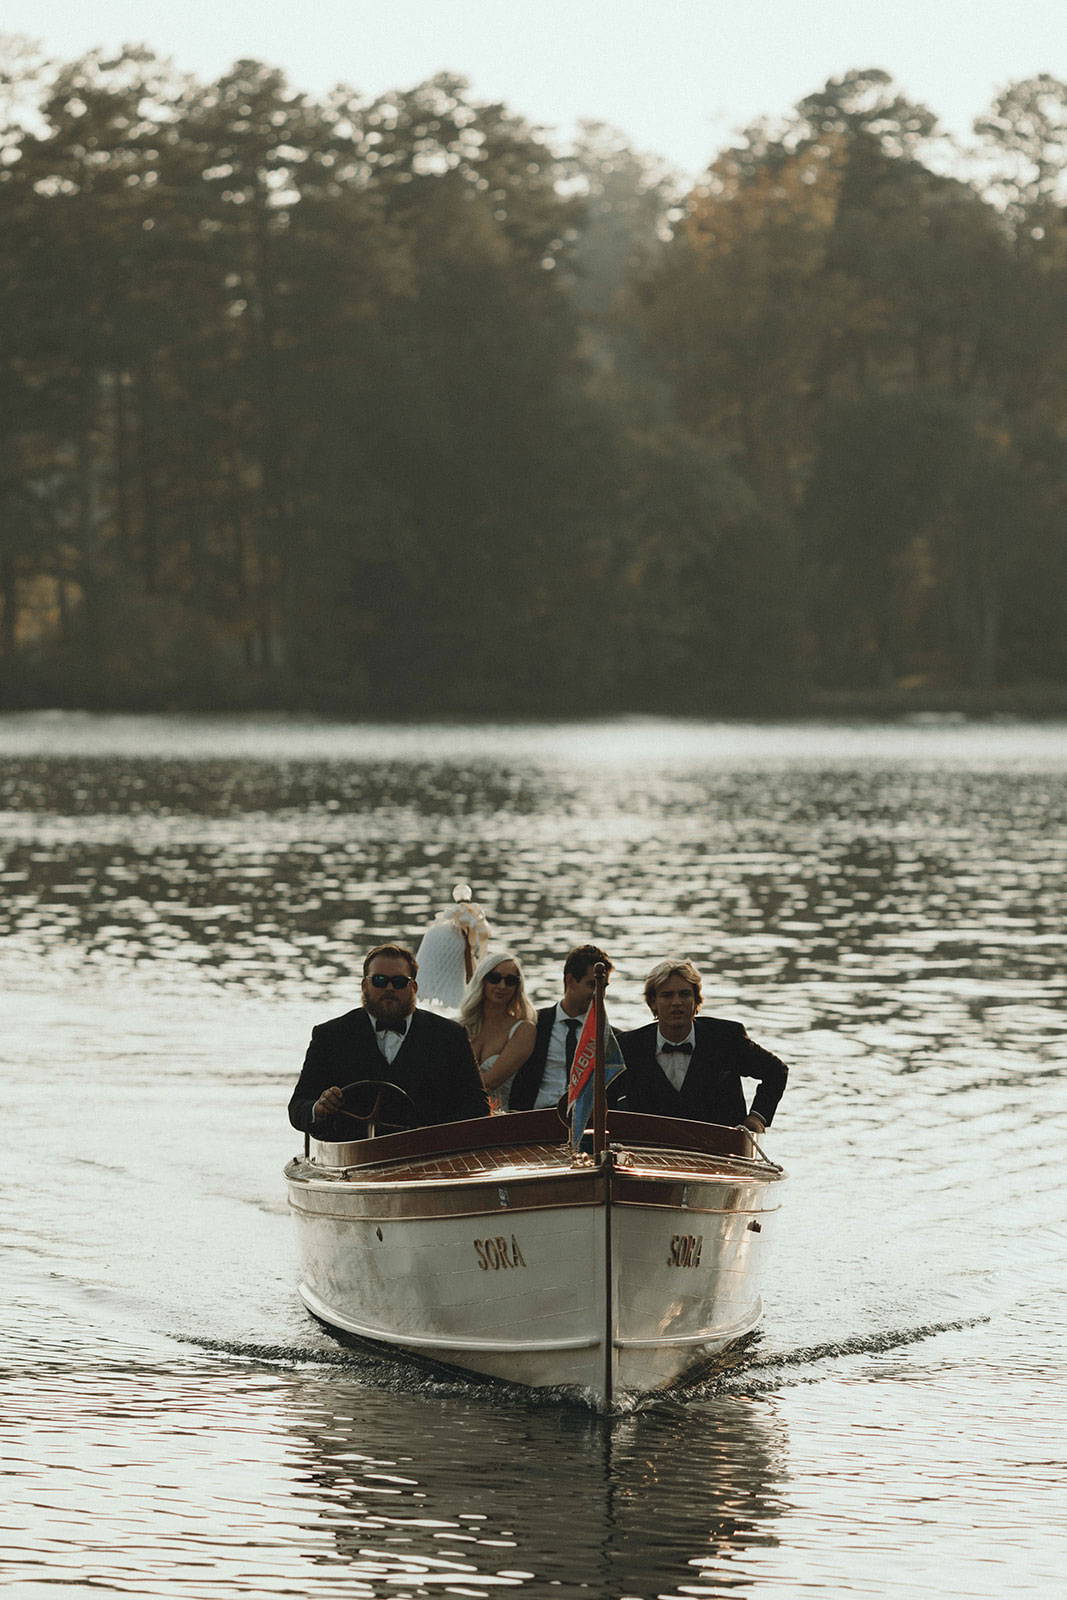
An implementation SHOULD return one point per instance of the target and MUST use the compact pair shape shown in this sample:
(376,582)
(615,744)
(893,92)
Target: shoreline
(823,708)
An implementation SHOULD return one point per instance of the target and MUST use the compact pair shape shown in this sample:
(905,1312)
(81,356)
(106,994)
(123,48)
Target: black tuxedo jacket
(711,1089)
(434,1065)
(526,1083)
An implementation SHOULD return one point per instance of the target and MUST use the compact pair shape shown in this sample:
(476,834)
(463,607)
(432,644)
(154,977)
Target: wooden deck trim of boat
(495,1164)
(442,1138)
(360,1182)
(537,1173)
(628,1128)
(656,1162)
(463,1169)
(506,1180)
(532,1163)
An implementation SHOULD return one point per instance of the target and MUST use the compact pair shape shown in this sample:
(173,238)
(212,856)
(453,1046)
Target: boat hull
(609,1281)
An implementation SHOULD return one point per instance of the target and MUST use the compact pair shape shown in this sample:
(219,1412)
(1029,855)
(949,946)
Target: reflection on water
(363,1491)
(615,1513)
(883,908)
(894,1478)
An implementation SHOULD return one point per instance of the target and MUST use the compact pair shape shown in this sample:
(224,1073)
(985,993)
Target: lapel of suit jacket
(703,1056)
(364,1024)
(364,1045)
(647,1046)
(527,1081)
(545,1020)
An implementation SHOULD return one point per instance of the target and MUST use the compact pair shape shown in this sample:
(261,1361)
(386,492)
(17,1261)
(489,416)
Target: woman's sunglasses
(380,980)
(510,978)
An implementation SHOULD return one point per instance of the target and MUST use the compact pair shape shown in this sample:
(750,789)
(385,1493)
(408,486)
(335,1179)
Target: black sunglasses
(510,978)
(379,980)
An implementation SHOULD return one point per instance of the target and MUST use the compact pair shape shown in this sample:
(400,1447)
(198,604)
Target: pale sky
(677,76)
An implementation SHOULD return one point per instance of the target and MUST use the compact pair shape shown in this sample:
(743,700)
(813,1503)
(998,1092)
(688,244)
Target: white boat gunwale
(431,1199)
(438,1213)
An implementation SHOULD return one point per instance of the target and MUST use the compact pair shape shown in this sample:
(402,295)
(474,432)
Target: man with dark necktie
(683,1065)
(543,1077)
(387,1040)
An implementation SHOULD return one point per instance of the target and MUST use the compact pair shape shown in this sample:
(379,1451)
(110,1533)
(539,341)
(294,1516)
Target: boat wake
(289,1354)
(357,1359)
(753,1372)
(746,1370)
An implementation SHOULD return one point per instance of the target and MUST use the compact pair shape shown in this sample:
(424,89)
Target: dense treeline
(387,406)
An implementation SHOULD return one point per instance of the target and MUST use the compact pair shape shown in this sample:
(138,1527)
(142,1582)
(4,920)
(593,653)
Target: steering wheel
(382,1107)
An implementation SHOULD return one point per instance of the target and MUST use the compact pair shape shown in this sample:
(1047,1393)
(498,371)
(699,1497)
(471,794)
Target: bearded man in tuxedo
(683,1065)
(387,1040)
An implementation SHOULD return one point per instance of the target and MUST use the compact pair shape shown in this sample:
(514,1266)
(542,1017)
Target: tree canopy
(363,405)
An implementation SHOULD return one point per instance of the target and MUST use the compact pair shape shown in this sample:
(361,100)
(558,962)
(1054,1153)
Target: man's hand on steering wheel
(329,1102)
(379,1104)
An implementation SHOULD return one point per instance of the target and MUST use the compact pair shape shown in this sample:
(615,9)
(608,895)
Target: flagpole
(600,1091)
(602,1156)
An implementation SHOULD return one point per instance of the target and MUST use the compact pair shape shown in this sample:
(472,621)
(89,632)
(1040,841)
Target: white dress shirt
(675,1063)
(554,1081)
(389,1042)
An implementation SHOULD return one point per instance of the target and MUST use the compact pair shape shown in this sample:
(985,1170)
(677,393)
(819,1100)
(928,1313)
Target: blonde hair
(472,1006)
(668,969)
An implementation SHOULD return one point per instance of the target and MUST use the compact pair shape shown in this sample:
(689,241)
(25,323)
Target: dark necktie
(391,1027)
(667,1049)
(573,1025)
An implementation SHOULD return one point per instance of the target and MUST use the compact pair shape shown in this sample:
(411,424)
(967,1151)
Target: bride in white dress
(499,1019)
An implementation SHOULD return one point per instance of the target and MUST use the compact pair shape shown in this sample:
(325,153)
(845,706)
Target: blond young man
(682,1065)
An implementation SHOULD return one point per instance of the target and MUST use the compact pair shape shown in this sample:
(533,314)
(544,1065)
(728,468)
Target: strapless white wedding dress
(498,1098)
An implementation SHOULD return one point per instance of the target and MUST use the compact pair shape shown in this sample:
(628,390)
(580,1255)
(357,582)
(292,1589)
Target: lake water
(884,907)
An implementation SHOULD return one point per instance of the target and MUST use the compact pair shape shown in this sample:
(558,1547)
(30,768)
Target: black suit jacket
(711,1090)
(526,1083)
(434,1065)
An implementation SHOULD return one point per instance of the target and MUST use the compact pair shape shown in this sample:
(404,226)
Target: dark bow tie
(385,1026)
(685,1048)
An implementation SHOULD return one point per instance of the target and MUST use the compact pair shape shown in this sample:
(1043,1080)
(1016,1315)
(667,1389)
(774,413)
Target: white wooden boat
(493,1247)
